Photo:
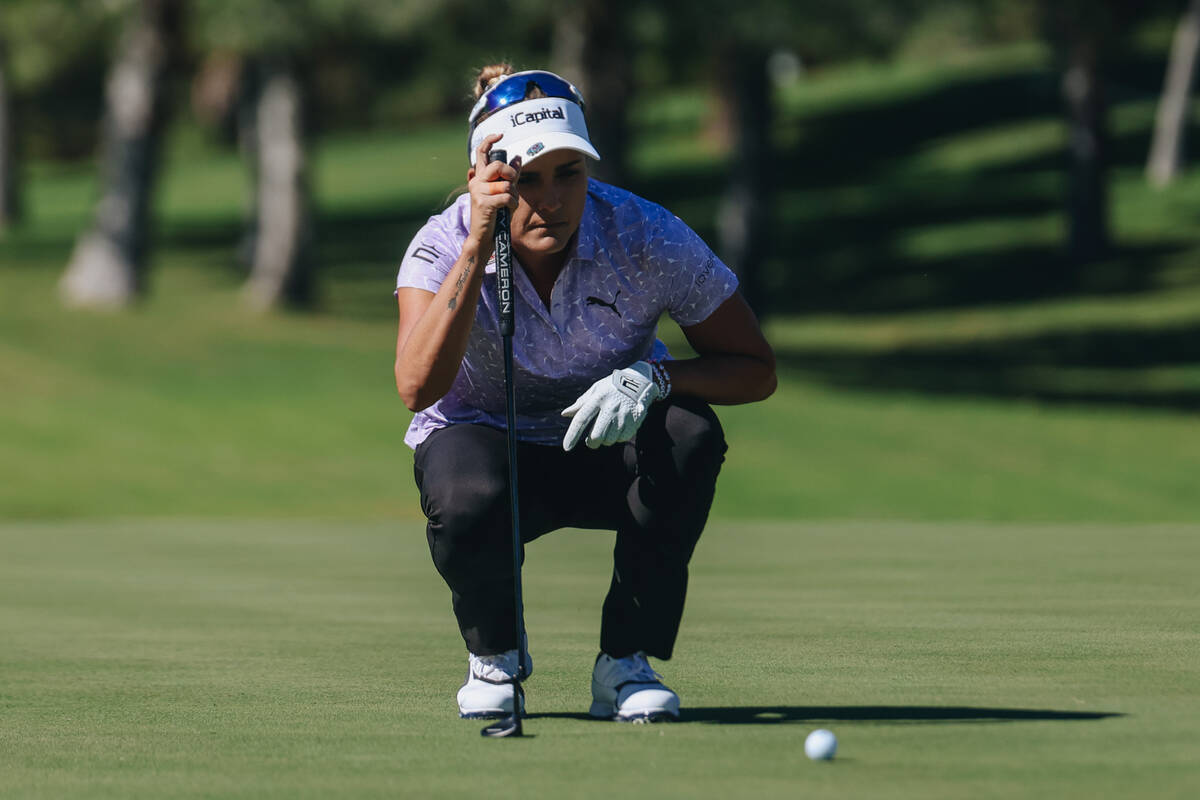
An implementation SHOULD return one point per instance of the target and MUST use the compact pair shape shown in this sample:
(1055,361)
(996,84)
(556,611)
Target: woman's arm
(434,328)
(734,363)
(433,332)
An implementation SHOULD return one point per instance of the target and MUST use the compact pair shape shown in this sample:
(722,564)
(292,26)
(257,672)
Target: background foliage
(962,534)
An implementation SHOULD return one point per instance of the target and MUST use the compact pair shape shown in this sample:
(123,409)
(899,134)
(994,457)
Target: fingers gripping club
(503,265)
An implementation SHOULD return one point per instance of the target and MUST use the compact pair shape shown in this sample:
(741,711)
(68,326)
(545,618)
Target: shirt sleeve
(699,282)
(429,258)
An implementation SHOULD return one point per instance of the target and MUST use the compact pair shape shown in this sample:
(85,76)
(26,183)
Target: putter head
(510,725)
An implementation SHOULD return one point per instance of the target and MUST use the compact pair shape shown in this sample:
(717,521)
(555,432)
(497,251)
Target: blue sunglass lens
(513,90)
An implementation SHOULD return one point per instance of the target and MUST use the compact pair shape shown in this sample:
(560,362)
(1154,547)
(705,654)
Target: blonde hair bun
(490,75)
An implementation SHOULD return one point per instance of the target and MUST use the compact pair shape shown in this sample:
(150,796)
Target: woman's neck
(543,269)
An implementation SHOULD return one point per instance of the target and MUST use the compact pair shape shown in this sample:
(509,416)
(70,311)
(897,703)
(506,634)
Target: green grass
(171,658)
(971,403)
(195,408)
(962,534)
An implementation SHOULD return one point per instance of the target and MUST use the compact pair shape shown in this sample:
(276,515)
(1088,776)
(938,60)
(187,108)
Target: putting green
(231,659)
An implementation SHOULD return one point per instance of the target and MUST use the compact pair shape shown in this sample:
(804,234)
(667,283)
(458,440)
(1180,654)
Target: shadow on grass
(774,715)
(1114,366)
(848,203)
(873,277)
(769,715)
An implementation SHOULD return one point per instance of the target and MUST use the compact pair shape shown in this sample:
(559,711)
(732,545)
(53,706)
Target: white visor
(535,127)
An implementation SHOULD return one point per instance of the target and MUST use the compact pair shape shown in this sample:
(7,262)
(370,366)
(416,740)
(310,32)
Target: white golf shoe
(629,690)
(488,690)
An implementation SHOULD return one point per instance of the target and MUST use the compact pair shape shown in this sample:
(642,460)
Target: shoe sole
(606,711)
(488,713)
(648,718)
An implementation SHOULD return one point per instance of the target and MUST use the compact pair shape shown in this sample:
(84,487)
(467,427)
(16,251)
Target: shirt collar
(585,237)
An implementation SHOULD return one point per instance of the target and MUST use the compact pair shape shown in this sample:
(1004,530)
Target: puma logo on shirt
(596,301)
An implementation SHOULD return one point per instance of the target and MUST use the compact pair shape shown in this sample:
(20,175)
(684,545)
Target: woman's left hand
(618,403)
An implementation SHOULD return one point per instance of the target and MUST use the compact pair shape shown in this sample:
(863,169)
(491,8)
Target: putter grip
(504,283)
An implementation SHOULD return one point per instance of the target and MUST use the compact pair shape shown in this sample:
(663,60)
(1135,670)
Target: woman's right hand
(492,187)
(435,327)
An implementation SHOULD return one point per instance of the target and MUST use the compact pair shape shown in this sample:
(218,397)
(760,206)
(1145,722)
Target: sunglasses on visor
(513,88)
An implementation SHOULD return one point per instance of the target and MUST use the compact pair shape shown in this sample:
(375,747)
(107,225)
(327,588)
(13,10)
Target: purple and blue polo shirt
(631,261)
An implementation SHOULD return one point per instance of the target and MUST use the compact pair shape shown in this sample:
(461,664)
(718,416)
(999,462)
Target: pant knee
(678,460)
(465,506)
(697,440)
(469,526)
(464,494)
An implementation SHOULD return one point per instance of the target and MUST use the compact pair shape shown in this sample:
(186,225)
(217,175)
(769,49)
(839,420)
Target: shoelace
(638,669)
(486,665)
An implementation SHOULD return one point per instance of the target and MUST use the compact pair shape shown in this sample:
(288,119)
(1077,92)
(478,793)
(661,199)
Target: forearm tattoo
(461,282)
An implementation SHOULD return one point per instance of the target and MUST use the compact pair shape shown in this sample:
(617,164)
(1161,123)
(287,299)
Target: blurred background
(970,227)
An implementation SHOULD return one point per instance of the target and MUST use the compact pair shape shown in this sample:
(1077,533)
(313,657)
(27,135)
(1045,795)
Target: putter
(509,726)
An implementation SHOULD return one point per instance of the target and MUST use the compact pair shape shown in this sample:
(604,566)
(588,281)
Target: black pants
(654,491)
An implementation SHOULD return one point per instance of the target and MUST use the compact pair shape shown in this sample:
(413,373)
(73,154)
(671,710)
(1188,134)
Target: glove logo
(629,385)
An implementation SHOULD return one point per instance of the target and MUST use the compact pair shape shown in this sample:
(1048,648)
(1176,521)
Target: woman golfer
(594,269)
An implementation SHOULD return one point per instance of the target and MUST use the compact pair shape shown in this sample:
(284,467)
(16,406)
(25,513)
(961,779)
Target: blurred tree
(43,46)
(107,268)
(214,92)
(1166,149)
(736,44)
(592,47)
(57,51)
(10,206)
(1082,32)
(275,137)
(744,218)
(268,41)
(733,45)
(276,41)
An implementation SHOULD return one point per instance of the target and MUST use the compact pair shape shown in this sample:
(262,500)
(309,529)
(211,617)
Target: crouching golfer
(594,268)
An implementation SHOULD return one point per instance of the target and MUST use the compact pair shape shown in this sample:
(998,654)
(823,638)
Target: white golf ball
(820,745)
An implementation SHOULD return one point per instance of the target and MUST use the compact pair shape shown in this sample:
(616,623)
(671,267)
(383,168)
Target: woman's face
(553,192)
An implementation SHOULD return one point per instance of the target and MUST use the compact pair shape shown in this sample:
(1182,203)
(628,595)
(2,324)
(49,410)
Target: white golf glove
(617,403)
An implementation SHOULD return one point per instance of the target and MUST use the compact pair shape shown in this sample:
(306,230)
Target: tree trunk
(246,123)
(10,206)
(282,269)
(107,268)
(744,217)
(592,50)
(1083,91)
(1166,150)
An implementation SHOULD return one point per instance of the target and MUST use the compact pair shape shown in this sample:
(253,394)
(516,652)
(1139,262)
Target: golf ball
(820,745)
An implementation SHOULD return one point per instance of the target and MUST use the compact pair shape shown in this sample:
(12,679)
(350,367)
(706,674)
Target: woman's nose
(551,199)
